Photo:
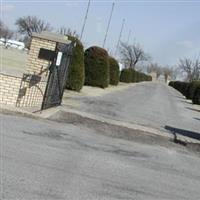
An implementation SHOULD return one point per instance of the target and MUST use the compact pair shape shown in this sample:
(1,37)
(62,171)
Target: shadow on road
(179,97)
(183,132)
(186,102)
(192,109)
(197,118)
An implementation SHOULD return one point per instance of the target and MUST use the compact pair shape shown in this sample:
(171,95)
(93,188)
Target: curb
(120,129)
(109,127)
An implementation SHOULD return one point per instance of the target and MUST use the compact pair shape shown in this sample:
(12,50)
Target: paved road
(46,160)
(150,104)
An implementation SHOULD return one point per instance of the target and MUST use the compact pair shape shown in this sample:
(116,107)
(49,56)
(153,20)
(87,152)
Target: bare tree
(175,72)
(132,54)
(155,67)
(167,71)
(5,32)
(67,31)
(191,68)
(29,24)
(1,27)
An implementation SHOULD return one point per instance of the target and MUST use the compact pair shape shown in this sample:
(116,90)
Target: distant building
(12,43)
(161,78)
(15,44)
(2,41)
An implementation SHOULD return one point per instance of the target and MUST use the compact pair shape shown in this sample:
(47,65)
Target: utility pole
(85,19)
(113,4)
(123,22)
(129,34)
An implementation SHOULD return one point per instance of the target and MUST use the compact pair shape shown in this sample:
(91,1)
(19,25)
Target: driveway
(46,160)
(150,104)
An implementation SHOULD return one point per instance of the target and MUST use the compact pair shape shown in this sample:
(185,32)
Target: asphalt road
(45,160)
(150,104)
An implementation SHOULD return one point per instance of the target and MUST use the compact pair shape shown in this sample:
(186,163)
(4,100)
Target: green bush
(137,76)
(171,83)
(196,97)
(140,76)
(96,67)
(76,73)
(133,76)
(126,76)
(182,87)
(114,71)
(191,89)
(149,78)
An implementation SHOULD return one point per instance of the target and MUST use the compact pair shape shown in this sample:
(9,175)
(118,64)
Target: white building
(12,43)
(15,44)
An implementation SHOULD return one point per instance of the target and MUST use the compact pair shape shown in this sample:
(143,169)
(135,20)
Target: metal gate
(57,77)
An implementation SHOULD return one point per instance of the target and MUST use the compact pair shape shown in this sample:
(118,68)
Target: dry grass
(12,61)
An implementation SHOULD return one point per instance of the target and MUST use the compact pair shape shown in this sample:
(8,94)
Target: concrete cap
(52,37)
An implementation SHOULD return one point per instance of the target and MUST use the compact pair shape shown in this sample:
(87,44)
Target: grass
(12,60)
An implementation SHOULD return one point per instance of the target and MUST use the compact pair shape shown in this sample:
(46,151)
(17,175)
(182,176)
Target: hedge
(190,90)
(196,97)
(96,67)
(114,71)
(76,73)
(131,75)
(126,76)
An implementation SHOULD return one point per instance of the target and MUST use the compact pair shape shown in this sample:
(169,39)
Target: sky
(167,30)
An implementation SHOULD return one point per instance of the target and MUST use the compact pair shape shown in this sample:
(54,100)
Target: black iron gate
(57,77)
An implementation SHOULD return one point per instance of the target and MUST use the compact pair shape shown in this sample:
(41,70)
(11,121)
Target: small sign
(59,57)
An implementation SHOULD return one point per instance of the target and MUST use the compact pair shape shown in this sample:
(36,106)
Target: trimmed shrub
(182,87)
(133,75)
(96,67)
(137,76)
(76,73)
(196,97)
(149,78)
(114,71)
(126,75)
(191,89)
(171,83)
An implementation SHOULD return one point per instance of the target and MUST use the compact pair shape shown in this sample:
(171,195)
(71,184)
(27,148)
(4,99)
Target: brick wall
(34,64)
(9,89)
(16,92)
(31,93)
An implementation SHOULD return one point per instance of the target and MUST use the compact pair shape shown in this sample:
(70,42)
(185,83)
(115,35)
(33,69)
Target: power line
(85,19)
(123,22)
(113,4)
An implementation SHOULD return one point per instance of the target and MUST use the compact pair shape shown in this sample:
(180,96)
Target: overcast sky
(167,30)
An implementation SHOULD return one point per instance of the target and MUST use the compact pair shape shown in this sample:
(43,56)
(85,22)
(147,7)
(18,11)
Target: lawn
(13,61)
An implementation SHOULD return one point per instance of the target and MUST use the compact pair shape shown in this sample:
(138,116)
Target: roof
(52,37)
